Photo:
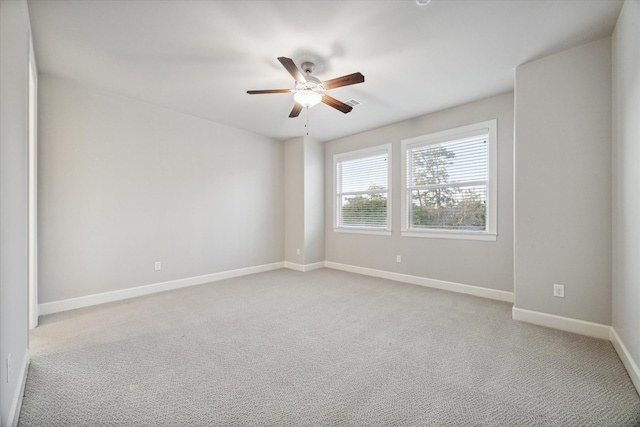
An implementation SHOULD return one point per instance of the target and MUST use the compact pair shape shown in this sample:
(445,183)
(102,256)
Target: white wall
(313,201)
(294,200)
(14,71)
(124,184)
(476,263)
(563,183)
(626,173)
(304,201)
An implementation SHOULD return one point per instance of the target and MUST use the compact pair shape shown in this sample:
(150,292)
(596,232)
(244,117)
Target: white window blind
(448,182)
(361,191)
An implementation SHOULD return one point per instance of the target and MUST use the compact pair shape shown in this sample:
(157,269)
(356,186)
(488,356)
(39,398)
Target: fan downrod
(308,67)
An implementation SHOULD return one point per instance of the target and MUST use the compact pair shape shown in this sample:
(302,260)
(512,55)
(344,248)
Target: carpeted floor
(319,348)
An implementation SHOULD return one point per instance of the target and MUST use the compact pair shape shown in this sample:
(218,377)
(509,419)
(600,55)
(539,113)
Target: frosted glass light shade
(307,98)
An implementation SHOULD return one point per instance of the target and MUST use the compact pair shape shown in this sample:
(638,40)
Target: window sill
(456,235)
(362,231)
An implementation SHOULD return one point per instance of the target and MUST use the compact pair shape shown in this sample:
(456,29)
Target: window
(362,198)
(450,183)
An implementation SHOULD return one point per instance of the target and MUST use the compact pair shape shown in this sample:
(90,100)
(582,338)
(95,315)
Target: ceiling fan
(309,90)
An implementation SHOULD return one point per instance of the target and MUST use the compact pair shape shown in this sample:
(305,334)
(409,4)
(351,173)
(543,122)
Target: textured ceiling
(200,57)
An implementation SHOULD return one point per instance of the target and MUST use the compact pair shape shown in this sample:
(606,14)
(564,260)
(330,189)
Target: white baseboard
(423,281)
(581,327)
(627,360)
(16,405)
(89,300)
(303,267)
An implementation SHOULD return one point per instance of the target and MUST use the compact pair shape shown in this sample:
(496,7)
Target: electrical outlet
(398,258)
(558,291)
(158,266)
(298,251)
(9,368)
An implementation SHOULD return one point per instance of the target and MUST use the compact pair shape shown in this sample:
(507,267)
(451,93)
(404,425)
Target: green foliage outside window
(365,210)
(443,206)
(434,203)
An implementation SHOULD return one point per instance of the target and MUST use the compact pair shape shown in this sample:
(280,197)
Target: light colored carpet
(319,348)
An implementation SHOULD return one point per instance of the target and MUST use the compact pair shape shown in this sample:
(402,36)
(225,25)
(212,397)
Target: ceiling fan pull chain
(306,120)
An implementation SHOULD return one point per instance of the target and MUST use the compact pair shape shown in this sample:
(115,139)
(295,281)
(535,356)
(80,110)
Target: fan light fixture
(307,98)
(310,91)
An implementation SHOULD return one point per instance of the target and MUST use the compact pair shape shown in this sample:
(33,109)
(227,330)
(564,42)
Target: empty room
(345,213)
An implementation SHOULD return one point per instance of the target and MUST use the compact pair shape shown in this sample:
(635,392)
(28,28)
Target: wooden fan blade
(338,105)
(351,79)
(295,112)
(257,92)
(292,69)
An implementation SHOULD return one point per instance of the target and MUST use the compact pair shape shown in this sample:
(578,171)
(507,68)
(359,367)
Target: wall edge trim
(121,294)
(625,357)
(304,267)
(427,282)
(567,324)
(16,405)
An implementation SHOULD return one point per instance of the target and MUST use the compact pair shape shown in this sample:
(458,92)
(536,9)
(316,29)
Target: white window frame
(490,234)
(352,155)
